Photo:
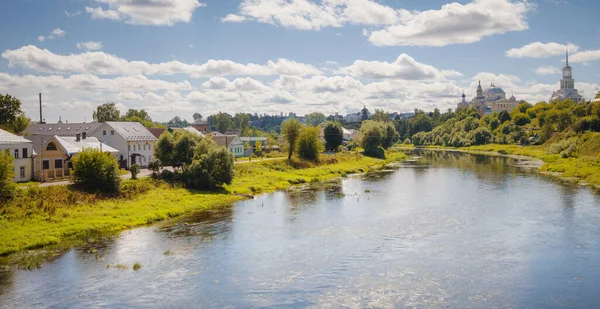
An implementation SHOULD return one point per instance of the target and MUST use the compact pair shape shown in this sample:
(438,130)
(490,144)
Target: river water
(448,231)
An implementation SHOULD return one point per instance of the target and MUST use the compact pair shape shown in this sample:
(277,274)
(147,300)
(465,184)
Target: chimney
(78,137)
(83,135)
(41,118)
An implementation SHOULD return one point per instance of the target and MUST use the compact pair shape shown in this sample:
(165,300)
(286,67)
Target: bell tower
(567,81)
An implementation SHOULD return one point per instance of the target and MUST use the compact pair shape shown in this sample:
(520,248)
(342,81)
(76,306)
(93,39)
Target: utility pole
(41,117)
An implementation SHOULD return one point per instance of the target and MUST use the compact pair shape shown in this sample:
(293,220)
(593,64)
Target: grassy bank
(575,157)
(56,218)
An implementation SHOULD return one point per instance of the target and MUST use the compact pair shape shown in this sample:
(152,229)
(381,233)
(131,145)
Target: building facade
(567,85)
(492,100)
(22,151)
(133,141)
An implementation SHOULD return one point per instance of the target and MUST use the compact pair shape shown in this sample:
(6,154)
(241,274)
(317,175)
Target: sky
(177,57)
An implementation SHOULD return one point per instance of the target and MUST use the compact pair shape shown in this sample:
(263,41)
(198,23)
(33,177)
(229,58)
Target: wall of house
(19,162)
(113,140)
(51,156)
(145,149)
(237,148)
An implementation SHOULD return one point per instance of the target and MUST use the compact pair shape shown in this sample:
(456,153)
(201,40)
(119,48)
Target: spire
(567,56)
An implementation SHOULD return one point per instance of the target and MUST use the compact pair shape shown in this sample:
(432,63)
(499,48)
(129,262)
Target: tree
(481,136)
(241,122)
(222,122)
(291,130)
(96,171)
(210,169)
(520,119)
(372,135)
(177,122)
(334,135)
(141,116)
(184,147)
(309,145)
(380,115)
(12,117)
(314,119)
(7,188)
(197,116)
(391,135)
(163,150)
(504,116)
(107,112)
(135,170)
(259,147)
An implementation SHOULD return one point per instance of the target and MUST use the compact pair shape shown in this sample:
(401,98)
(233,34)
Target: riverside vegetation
(563,134)
(38,223)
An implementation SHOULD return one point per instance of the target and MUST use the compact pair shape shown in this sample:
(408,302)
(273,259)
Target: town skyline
(247,56)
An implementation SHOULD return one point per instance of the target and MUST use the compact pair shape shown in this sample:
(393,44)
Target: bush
(135,170)
(154,166)
(333,134)
(309,145)
(521,119)
(163,150)
(211,170)
(391,135)
(96,171)
(8,189)
(371,136)
(481,136)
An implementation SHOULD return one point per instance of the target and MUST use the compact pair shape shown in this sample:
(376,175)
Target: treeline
(525,124)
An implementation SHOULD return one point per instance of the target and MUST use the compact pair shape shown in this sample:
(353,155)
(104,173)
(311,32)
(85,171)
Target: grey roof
(224,140)
(132,131)
(38,141)
(200,122)
(62,129)
(9,138)
(71,145)
(253,139)
(190,130)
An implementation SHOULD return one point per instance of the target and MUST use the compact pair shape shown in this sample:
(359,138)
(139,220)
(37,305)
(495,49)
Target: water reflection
(447,230)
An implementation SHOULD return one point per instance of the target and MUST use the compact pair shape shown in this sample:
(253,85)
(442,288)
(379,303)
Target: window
(22,171)
(69,164)
(51,146)
(144,147)
(112,132)
(58,163)
(104,132)
(129,147)
(24,153)
(46,164)
(16,153)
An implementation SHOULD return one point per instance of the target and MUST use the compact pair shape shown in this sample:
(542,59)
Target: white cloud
(100,63)
(586,55)
(56,33)
(314,15)
(232,18)
(540,50)
(547,70)
(41,38)
(405,67)
(145,12)
(455,23)
(239,84)
(89,45)
(72,14)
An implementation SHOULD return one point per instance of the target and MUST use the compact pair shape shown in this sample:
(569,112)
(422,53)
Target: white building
(493,99)
(567,85)
(22,151)
(233,143)
(133,141)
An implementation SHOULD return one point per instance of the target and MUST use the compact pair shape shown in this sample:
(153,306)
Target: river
(451,230)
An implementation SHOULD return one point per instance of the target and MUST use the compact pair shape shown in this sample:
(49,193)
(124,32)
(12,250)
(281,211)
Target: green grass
(45,221)
(137,266)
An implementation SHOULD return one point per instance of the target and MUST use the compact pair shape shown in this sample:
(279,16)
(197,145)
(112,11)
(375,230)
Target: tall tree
(334,135)
(12,117)
(241,122)
(141,116)
(107,112)
(197,116)
(314,119)
(7,188)
(223,122)
(291,131)
(309,144)
(380,115)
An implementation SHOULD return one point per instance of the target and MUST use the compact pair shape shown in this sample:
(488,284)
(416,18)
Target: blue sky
(177,57)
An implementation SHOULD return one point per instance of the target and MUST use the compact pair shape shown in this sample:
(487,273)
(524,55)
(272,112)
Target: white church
(492,100)
(567,85)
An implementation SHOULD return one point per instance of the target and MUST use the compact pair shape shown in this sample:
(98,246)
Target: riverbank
(576,159)
(48,221)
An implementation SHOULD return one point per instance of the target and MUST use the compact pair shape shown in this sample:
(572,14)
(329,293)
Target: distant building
(358,116)
(201,125)
(493,99)
(567,85)
(233,143)
(22,151)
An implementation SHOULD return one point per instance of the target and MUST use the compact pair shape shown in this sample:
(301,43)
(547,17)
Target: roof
(62,129)
(191,130)
(224,140)
(132,131)
(157,132)
(253,139)
(200,122)
(71,145)
(9,138)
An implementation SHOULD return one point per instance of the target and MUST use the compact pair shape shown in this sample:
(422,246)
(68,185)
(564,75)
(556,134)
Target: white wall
(125,148)
(26,163)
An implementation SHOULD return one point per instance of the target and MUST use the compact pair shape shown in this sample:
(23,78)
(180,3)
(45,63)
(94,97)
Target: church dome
(494,89)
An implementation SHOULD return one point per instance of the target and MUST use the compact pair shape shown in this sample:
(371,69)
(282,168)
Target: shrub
(154,166)
(8,189)
(97,171)
(290,129)
(135,170)
(163,150)
(391,135)
(481,136)
(211,170)
(521,119)
(309,145)
(371,136)
(333,134)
